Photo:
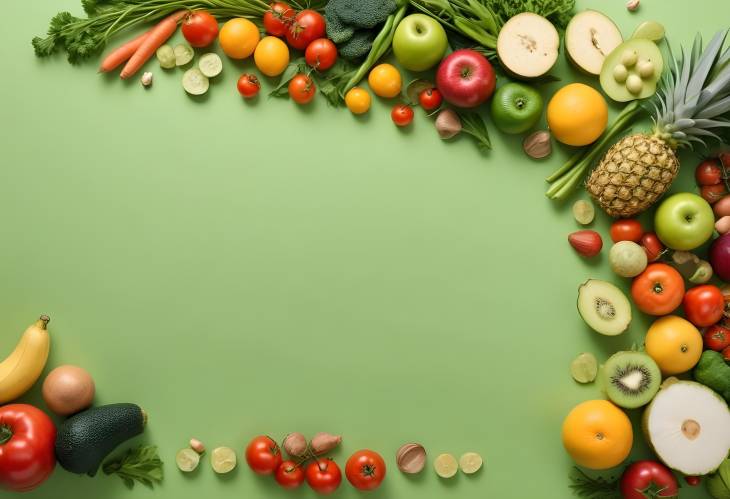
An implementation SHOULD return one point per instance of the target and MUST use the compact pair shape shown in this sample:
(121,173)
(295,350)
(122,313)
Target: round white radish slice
(195,82)
(528,45)
(166,55)
(223,459)
(183,54)
(446,466)
(470,463)
(210,65)
(589,37)
(187,460)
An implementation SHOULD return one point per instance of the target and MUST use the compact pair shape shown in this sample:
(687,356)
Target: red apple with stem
(465,78)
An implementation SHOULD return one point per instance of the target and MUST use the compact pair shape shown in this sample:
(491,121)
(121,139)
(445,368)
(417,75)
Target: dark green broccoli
(358,46)
(337,31)
(363,13)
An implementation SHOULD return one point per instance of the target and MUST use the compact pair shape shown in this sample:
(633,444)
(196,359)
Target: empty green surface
(240,268)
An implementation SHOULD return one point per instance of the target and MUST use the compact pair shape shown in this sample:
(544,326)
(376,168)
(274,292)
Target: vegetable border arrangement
(678,377)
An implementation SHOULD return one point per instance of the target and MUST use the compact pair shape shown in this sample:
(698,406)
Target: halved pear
(589,38)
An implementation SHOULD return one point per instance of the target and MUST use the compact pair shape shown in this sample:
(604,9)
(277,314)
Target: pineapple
(694,98)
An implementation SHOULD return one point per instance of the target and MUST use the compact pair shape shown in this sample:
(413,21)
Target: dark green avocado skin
(85,439)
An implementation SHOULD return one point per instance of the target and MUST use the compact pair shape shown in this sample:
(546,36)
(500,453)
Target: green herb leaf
(474,125)
(594,488)
(141,464)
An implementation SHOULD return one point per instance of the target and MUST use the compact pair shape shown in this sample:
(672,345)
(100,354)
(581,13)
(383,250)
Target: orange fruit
(597,435)
(674,343)
(577,114)
(271,56)
(357,100)
(385,80)
(238,38)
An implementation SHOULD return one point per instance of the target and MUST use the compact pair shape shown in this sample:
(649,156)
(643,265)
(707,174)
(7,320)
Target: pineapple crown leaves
(695,94)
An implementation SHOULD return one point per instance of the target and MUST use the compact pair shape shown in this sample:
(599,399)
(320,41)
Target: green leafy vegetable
(558,12)
(473,124)
(713,372)
(594,488)
(141,464)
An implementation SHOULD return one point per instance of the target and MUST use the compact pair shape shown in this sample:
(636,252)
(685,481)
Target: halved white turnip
(589,38)
(528,45)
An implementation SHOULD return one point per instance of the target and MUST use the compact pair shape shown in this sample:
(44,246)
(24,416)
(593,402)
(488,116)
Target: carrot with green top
(122,53)
(154,40)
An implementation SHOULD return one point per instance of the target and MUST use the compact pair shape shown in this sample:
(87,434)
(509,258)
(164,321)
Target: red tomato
(652,246)
(693,481)
(430,99)
(643,476)
(726,354)
(703,305)
(709,172)
(321,54)
(658,290)
(289,475)
(365,470)
(717,338)
(27,447)
(713,193)
(248,85)
(308,25)
(402,114)
(302,89)
(278,18)
(263,455)
(324,476)
(626,230)
(199,28)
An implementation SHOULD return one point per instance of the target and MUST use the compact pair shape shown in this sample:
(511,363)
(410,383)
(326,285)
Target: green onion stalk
(566,178)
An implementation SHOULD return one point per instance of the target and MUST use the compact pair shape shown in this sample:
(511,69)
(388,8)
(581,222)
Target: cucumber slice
(166,56)
(187,460)
(195,82)
(210,65)
(183,54)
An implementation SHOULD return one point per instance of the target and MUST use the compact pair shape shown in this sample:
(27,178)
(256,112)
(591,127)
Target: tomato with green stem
(278,18)
(199,28)
(365,470)
(248,85)
(430,99)
(321,54)
(704,305)
(263,455)
(402,115)
(289,475)
(307,26)
(323,476)
(644,479)
(302,89)
(716,337)
(658,290)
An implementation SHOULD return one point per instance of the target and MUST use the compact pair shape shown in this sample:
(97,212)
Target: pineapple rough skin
(633,174)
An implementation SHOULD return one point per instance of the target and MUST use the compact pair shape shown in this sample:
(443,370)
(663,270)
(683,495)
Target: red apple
(465,78)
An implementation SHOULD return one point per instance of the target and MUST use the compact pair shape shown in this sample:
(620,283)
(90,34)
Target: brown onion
(68,390)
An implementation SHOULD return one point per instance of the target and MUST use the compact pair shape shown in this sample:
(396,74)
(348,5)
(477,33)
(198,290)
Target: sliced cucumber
(195,82)
(166,56)
(187,460)
(183,54)
(210,65)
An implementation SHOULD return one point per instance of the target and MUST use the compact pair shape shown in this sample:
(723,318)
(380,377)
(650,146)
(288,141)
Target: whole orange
(577,114)
(597,435)
(238,38)
(271,56)
(385,80)
(674,343)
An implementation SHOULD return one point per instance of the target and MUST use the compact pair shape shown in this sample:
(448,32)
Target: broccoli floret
(363,13)
(358,46)
(337,31)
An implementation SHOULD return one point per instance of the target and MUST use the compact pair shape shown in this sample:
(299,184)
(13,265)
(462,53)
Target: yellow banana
(20,370)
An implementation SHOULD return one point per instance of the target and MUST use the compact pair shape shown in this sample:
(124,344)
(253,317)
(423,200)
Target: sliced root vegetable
(446,466)
(166,56)
(195,82)
(183,54)
(187,460)
(589,38)
(223,460)
(528,45)
(584,368)
(210,65)
(470,463)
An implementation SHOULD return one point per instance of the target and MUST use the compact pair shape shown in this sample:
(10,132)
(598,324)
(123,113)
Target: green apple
(419,42)
(684,221)
(516,107)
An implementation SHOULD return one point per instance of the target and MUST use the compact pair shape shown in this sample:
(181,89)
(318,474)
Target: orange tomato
(271,56)
(385,80)
(597,435)
(658,290)
(674,344)
(357,100)
(238,38)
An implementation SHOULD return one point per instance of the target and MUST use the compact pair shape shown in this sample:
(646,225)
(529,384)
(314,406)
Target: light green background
(240,268)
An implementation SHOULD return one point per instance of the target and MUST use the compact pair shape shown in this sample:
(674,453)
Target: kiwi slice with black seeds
(631,379)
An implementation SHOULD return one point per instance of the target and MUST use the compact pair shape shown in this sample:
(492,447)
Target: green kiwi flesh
(631,379)
(604,307)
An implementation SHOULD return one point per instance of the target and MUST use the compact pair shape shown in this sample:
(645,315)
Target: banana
(20,370)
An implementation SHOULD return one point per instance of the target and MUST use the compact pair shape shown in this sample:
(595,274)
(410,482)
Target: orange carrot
(122,53)
(155,38)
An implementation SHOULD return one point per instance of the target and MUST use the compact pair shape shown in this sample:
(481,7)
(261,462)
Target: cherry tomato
(430,99)
(248,85)
(302,89)
(289,475)
(717,337)
(357,100)
(652,246)
(713,193)
(402,114)
(726,354)
(308,25)
(703,305)
(199,28)
(27,447)
(658,290)
(263,455)
(278,18)
(693,481)
(626,230)
(709,172)
(365,470)
(323,475)
(643,476)
(321,54)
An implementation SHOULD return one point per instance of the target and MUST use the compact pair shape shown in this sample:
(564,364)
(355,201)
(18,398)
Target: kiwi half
(631,379)
(604,307)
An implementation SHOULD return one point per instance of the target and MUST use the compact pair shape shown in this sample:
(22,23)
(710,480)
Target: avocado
(84,440)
